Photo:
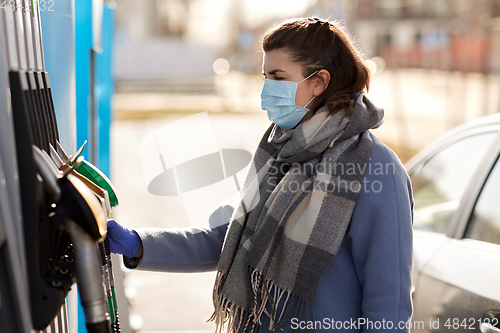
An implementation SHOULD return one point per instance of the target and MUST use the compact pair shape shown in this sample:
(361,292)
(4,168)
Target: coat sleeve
(381,239)
(195,249)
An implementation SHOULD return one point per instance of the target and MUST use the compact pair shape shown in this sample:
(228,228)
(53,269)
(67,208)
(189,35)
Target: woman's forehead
(278,59)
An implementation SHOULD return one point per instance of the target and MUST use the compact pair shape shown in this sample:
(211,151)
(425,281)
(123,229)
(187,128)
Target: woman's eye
(273,78)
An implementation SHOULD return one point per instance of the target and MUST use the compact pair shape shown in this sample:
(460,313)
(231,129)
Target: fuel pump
(84,215)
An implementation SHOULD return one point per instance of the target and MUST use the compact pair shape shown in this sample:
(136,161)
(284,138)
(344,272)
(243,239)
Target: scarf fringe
(232,318)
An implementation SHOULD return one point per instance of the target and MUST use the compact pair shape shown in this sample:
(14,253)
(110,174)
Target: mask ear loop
(303,81)
(308,77)
(309,101)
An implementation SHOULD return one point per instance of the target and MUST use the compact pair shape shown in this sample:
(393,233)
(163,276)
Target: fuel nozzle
(85,221)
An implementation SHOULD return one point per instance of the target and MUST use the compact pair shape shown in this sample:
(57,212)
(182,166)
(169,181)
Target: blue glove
(122,240)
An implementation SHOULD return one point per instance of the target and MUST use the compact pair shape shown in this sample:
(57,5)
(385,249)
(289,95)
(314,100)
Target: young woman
(320,237)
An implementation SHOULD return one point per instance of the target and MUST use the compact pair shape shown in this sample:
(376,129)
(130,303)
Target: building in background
(171,38)
(453,35)
(171,45)
(154,51)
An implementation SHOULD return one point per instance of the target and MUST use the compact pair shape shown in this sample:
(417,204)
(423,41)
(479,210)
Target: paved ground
(419,107)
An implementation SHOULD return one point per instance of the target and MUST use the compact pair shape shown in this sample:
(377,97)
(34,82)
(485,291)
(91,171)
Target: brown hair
(317,44)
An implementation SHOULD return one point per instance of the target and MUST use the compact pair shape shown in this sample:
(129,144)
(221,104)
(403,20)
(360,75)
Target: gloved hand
(122,240)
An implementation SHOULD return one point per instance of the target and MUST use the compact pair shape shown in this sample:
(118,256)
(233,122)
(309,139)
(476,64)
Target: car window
(440,182)
(484,223)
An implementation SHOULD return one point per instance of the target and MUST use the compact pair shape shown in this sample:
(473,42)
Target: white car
(456,268)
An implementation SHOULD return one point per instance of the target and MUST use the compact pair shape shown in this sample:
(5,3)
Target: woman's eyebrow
(274,71)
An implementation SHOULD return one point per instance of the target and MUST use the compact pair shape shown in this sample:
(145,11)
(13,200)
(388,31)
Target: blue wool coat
(367,287)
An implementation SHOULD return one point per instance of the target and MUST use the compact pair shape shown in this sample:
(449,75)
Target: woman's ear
(322,81)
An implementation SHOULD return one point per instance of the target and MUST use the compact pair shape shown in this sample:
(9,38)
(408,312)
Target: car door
(442,180)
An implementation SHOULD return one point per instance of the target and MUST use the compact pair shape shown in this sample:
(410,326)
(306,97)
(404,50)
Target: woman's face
(277,65)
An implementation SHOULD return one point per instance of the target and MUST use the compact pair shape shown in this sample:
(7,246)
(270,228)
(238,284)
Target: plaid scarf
(295,206)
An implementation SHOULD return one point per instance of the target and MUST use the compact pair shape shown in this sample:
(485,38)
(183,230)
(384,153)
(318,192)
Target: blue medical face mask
(278,99)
